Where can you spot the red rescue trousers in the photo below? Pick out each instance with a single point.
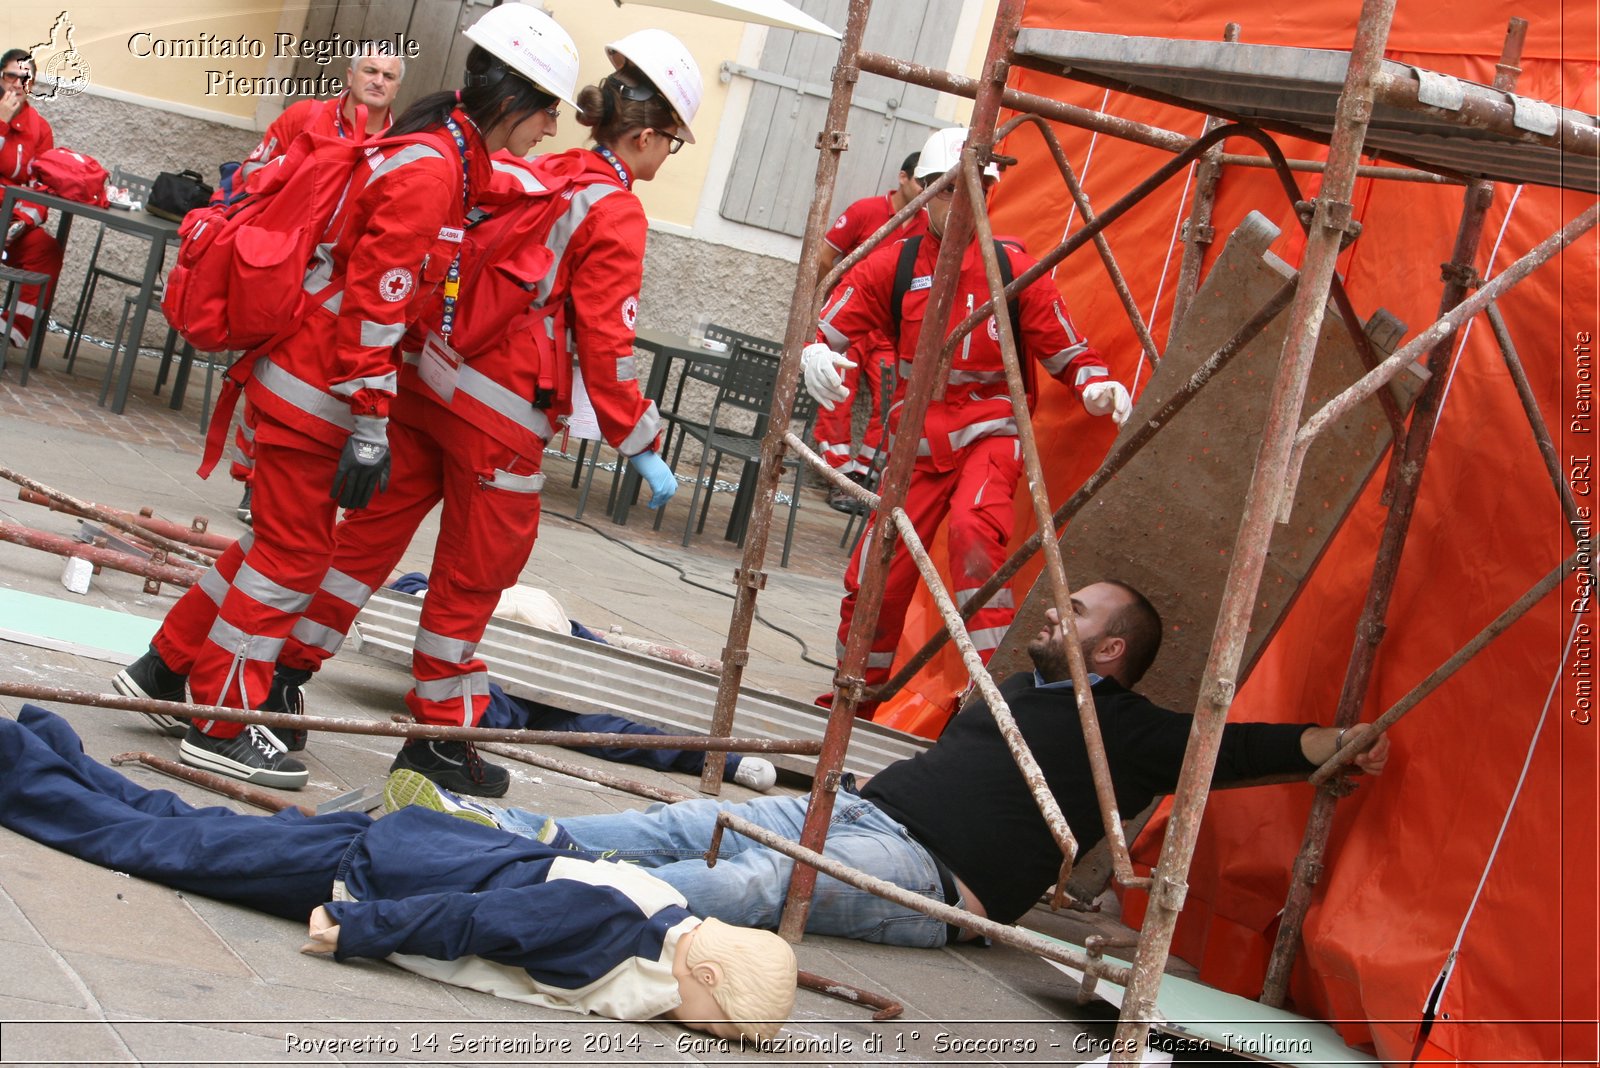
(227, 630)
(977, 495)
(874, 359)
(34, 249)
(486, 531)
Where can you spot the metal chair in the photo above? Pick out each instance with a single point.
(673, 413)
(138, 189)
(747, 386)
(15, 279)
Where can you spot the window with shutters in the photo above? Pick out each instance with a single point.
(770, 183)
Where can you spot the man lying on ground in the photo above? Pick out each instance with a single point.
(957, 823)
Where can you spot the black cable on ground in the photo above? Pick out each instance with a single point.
(683, 576)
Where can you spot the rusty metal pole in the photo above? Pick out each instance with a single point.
(1330, 223)
(1411, 458)
(1197, 230)
(110, 519)
(749, 579)
(61, 545)
(919, 392)
(194, 534)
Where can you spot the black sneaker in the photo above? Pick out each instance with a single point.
(243, 511)
(150, 678)
(285, 697)
(454, 766)
(254, 756)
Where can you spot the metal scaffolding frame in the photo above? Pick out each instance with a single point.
(1329, 227)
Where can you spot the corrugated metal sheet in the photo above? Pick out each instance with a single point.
(1428, 119)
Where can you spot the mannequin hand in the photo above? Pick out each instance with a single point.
(1101, 398)
(324, 933)
(654, 470)
(820, 366)
(364, 465)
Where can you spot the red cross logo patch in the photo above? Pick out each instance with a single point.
(396, 284)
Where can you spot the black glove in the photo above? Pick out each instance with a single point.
(364, 464)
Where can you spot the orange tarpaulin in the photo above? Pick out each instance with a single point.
(1493, 780)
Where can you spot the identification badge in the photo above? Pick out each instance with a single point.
(439, 366)
(452, 234)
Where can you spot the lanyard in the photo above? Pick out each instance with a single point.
(452, 278)
(616, 165)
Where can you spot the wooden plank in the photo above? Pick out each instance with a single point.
(1167, 523)
(435, 26)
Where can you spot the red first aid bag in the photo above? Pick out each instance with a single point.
(71, 175)
(238, 282)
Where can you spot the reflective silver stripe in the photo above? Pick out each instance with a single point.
(321, 270)
(214, 586)
(988, 638)
(237, 642)
(1001, 599)
(382, 165)
(272, 594)
(965, 377)
(29, 212)
(388, 382)
(303, 395)
(560, 235)
(529, 183)
(246, 431)
(505, 480)
(1066, 324)
(644, 432)
(381, 334)
(989, 428)
(836, 450)
(1089, 374)
(338, 584)
(316, 636)
(836, 340)
(493, 395)
(881, 660)
(335, 303)
(456, 687)
(627, 369)
(903, 368)
(441, 647)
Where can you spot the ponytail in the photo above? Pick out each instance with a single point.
(492, 93)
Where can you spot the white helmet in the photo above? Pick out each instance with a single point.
(532, 44)
(669, 66)
(943, 151)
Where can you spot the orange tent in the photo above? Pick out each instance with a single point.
(1467, 874)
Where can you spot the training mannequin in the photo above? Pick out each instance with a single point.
(448, 898)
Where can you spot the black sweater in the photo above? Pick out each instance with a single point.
(965, 800)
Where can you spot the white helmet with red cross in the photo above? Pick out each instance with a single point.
(943, 151)
(532, 44)
(663, 59)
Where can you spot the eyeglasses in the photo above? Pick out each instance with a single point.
(20, 77)
(675, 143)
(554, 111)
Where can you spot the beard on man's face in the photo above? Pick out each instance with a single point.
(1049, 656)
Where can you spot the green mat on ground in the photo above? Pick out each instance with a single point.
(68, 624)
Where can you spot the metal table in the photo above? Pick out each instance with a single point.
(153, 229)
(665, 348)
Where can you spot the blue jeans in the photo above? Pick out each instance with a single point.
(749, 882)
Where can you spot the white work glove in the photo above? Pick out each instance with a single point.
(821, 366)
(1108, 398)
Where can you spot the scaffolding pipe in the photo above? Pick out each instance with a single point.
(194, 534)
(432, 731)
(749, 579)
(927, 372)
(1541, 431)
(665, 794)
(1220, 678)
(885, 1009)
(1061, 590)
(1421, 690)
(61, 545)
(110, 519)
(1139, 133)
(1012, 936)
(1032, 774)
(1198, 233)
(1410, 462)
(1128, 443)
(217, 784)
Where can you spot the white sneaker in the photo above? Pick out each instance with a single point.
(755, 773)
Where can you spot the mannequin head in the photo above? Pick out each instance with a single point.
(735, 981)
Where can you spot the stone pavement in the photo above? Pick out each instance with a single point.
(104, 968)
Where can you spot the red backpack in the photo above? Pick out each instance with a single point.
(237, 283)
(71, 175)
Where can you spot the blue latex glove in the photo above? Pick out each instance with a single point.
(654, 470)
